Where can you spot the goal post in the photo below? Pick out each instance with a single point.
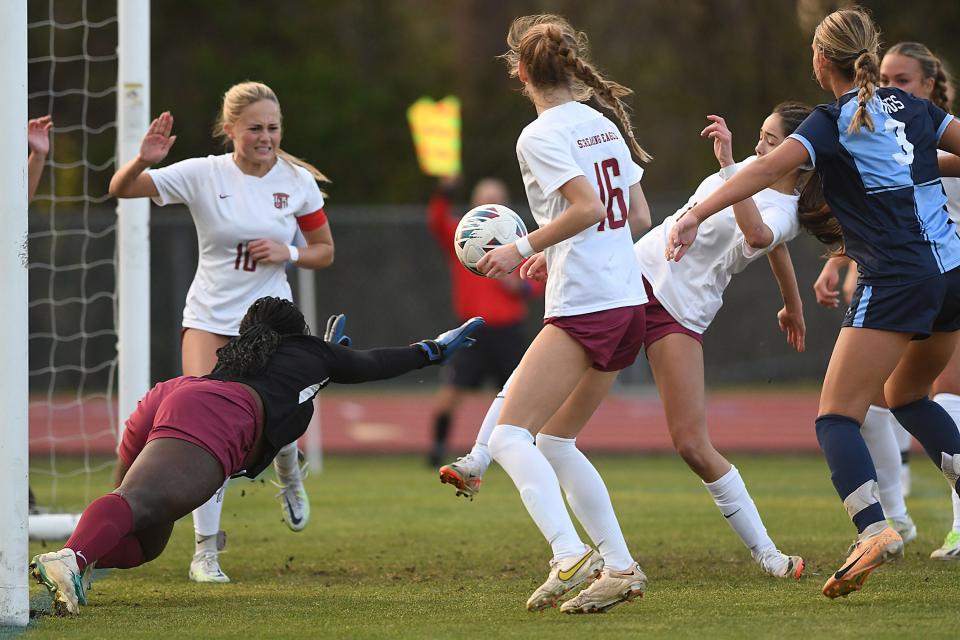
(133, 223)
(14, 595)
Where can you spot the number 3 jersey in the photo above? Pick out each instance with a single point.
(884, 185)
(595, 269)
(229, 209)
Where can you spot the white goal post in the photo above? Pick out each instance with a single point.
(14, 596)
(133, 224)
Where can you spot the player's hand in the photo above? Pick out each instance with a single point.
(825, 287)
(268, 251)
(500, 261)
(722, 139)
(682, 235)
(791, 323)
(38, 135)
(157, 141)
(335, 332)
(535, 268)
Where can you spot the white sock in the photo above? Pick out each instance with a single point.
(513, 449)
(206, 517)
(287, 464)
(481, 450)
(588, 497)
(878, 432)
(905, 442)
(732, 498)
(951, 404)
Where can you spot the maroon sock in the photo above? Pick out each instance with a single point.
(126, 555)
(104, 523)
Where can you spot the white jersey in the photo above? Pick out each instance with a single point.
(692, 290)
(229, 209)
(951, 187)
(594, 270)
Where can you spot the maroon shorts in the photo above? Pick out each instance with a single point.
(612, 337)
(222, 417)
(660, 323)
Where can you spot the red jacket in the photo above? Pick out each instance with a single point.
(500, 302)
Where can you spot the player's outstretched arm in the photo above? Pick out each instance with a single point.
(38, 140)
(790, 317)
(747, 182)
(352, 366)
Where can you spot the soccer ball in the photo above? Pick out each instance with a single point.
(484, 228)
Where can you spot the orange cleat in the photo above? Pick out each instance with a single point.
(866, 554)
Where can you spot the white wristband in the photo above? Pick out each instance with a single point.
(524, 247)
(727, 172)
(294, 253)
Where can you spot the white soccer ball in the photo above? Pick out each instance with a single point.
(485, 228)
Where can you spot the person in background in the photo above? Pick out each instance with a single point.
(502, 303)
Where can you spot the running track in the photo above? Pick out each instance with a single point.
(398, 422)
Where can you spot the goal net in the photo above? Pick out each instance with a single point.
(73, 359)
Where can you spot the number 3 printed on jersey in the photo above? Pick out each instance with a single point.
(606, 171)
(906, 157)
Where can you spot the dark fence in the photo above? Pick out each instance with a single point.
(393, 283)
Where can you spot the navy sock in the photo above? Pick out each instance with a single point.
(933, 427)
(851, 466)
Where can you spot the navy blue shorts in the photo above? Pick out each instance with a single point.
(494, 357)
(920, 308)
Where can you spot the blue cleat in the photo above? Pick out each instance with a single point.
(440, 349)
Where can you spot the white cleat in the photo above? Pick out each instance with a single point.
(205, 567)
(609, 590)
(905, 527)
(565, 574)
(465, 474)
(780, 565)
(950, 549)
(59, 573)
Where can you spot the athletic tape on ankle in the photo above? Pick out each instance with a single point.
(862, 497)
(950, 465)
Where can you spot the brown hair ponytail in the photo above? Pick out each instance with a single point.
(554, 54)
(813, 212)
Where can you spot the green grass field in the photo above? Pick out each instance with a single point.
(390, 553)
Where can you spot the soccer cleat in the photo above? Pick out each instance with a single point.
(609, 590)
(465, 474)
(950, 549)
(59, 573)
(205, 567)
(294, 502)
(905, 527)
(565, 574)
(86, 578)
(780, 565)
(440, 349)
(866, 554)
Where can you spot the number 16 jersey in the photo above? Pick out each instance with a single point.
(595, 269)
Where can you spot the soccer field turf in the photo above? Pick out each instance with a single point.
(390, 553)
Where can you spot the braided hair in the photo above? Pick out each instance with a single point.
(932, 67)
(267, 321)
(555, 55)
(850, 40)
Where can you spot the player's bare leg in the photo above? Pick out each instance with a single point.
(676, 361)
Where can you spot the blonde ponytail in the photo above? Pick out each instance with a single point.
(239, 97)
(850, 40)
